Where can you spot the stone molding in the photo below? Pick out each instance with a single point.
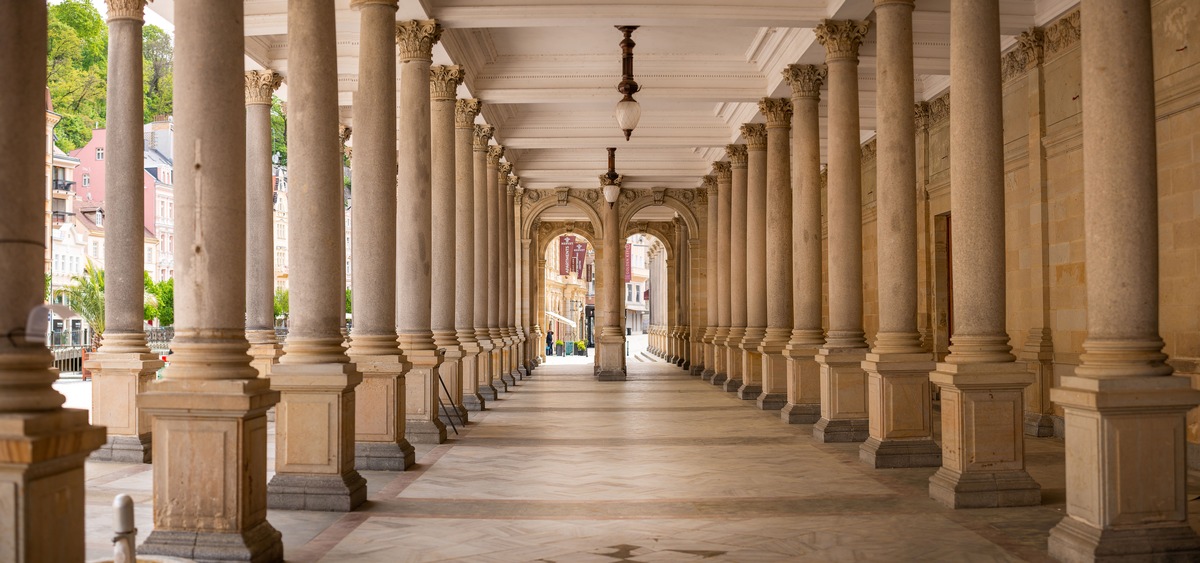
(1062, 34)
(444, 81)
(505, 169)
(868, 151)
(465, 110)
(841, 38)
(778, 111)
(480, 137)
(126, 10)
(495, 153)
(756, 136)
(358, 4)
(1026, 55)
(415, 39)
(724, 170)
(709, 183)
(260, 84)
(805, 80)
(938, 110)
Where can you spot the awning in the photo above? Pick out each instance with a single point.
(569, 322)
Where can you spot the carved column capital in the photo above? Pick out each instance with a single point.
(737, 156)
(514, 183)
(495, 153)
(505, 169)
(465, 110)
(415, 39)
(260, 84)
(359, 4)
(778, 111)
(921, 114)
(343, 133)
(841, 38)
(724, 170)
(126, 10)
(756, 136)
(709, 183)
(480, 137)
(805, 80)
(444, 81)
(1028, 53)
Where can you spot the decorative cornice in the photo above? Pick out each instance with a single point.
(1025, 55)
(465, 110)
(260, 84)
(724, 170)
(495, 153)
(778, 111)
(444, 81)
(939, 109)
(841, 38)
(126, 10)
(756, 136)
(481, 136)
(736, 155)
(415, 39)
(1063, 33)
(358, 4)
(805, 80)
(343, 133)
(709, 183)
(505, 169)
(921, 114)
(868, 150)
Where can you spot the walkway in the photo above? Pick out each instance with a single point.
(663, 467)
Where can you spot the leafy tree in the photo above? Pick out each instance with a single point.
(85, 296)
(281, 302)
(77, 70)
(166, 301)
(149, 298)
(278, 130)
(348, 300)
(158, 74)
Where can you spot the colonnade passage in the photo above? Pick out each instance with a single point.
(972, 335)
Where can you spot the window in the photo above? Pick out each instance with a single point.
(99, 153)
(637, 293)
(87, 180)
(95, 249)
(629, 292)
(149, 254)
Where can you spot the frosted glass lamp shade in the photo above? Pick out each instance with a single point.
(610, 193)
(628, 112)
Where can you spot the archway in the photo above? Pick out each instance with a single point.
(567, 266)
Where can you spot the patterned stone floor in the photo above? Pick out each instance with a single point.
(662, 467)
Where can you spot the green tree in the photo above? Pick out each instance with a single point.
(158, 74)
(77, 70)
(348, 301)
(150, 298)
(166, 301)
(281, 302)
(85, 296)
(278, 130)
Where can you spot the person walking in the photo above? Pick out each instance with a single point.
(549, 342)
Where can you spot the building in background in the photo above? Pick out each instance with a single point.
(637, 276)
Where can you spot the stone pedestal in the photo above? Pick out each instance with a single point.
(751, 386)
(472, 398)
(611, 357)
(265, 350)
(803, 383)
(451, 373)
(733, 359)
(774, 394)
(983, 449)
(843, 396)
(721, 353)
(117, 380)
(423, 424)
(901, 426)
(484, 371)
(379, 421)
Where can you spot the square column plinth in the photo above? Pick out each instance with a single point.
(610, 356)
(210, 473)
(901, 421)
(1126, 470)
(41, 483)
(733, 360)
(496, 367)
(710, 360)
(473, 399)
(314, 438)
(843, 396)
(774, 371)
(803, 385)
(379, 420)
(117, 380)
(983, 446)
(751, 386)
(721, 358)
(451, 372)
(483, 370)
(422, 390)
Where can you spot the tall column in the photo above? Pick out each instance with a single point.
(610, 357)
(466, 249)
(843, 382)
(1125, 414)
(314, 422)
(483, 256)
(539, 292)
(514, 226)
(44, 495)
(379, 420)
(443, 85)
(737, 267)
(414, 233)
(260, 231)
(901, 422)
(755, 247)
(983, 450)
(803, 371)
(209, 410)
(503, 287)
(509, 272)
(709, 185)
(724, 173)
(496, 335)
(777, 244)
(123, 366)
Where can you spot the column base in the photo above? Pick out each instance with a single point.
(487, 392)
(707, 374)
(719, 379)
(749, 392)
(262, 543)
(610, 375)
(1072, 541)
(771, 401)
(384, 456)
(474, 402)
(453, 415)
(125, 449)
(841, 430)
(984, 489)
(1039, 425)
(425, 431)
(731, 385)
(695, 370)
(327, 493)
(800, 413)
(890, 454)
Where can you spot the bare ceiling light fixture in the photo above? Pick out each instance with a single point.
(628, 111)
(610, 181)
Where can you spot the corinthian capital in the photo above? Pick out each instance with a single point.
(778, 111)
(260, 84)
(505, 169)
(495, 153)
(444, 81)
(360, 4)
(709, 183)
(514, 182)
(724, 170)
(481, 136)
(737, 155)
(126, 10)
(756, 136)
(841, 38)
(415, 39)
(465, 110)
(805, 80)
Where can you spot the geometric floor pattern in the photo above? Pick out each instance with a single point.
(662, 467)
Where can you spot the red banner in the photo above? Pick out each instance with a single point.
(628, 262)
(578, 256)
(565, 244)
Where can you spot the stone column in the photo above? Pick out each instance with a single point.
(492, 282)
(983, 450)
(508, 261)
(414, 234)
(123, 366)
(379, 420)
(778, 247)
(514, 225)
(43, 507)
(260, 227)
(843, 382)
(314, 422)
(483, 256)
(443, 85)
(803, 371)
(901, 422)
(1125, 415)
(539, 292)
(709, 185)
(724, 173)
(610, 357)
(466, 251)
(755, 246)
(737, 267)
(209, 410)
(670, 343)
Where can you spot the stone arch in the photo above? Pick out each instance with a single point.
(657, 229)
(673, 199)
(546, 201)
